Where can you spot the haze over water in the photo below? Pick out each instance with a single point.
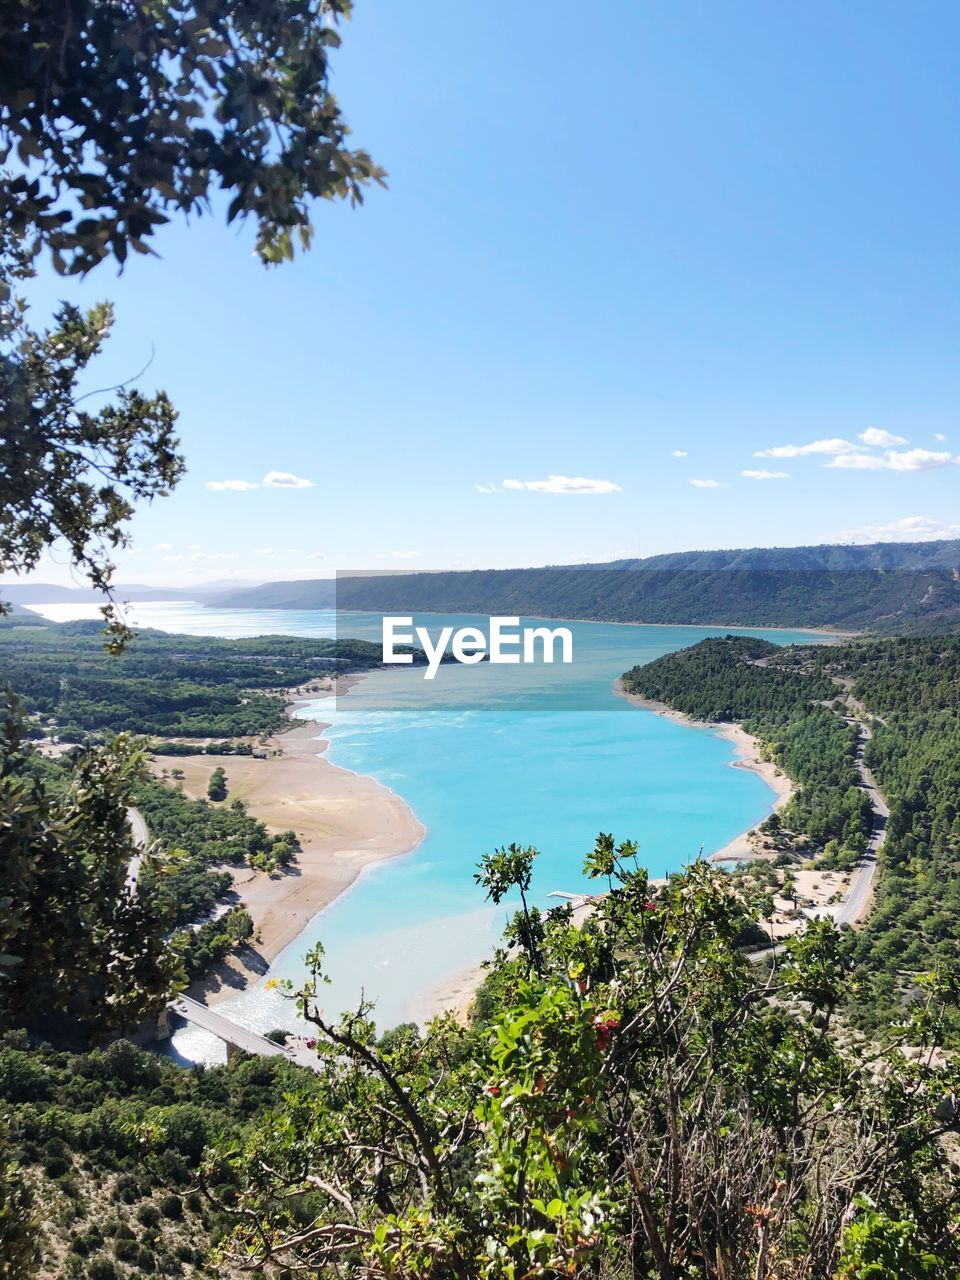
(485, 755)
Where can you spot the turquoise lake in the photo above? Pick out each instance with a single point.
(485, 755)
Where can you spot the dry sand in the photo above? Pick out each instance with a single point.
(453, 995)
(344, 822)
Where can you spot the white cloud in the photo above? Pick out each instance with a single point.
(168, 558)
(766, 475)
(398, 555)
(876, 437)
(908, 529)
(163, 546)
(938, 435)
(894, 460)
(272, 480)
(316, 555)
(488, 488)
(285, 480)
(835, 445)
(263, 551)
(709, 484)
(220, 555)
(131, 551)
(678, 453)
(564, 484)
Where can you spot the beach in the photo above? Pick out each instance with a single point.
(344, 822)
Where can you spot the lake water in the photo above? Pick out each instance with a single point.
(485, 755)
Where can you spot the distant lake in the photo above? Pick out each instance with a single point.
(546, 756)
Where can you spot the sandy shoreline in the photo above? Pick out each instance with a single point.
(748, 757)
(347, 821)
(344, 822)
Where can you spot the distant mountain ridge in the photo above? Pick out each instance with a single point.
(942, 554)
(27, 593)
(882, 586)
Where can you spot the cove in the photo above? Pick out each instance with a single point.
(545, 756)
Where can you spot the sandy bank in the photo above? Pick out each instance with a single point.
(748, 757)
(344, 822)
(453, 995)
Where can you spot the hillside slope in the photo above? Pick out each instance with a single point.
(885, 587)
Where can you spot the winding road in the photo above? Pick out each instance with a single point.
(856, 901)
(141, 835)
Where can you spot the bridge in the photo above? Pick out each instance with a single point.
(237, 1039)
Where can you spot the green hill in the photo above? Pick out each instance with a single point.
(883, 587)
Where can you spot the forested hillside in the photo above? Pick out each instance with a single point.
(107, 1146)
(164, 685)
(762, 687)
(914, 688)
(909, 692)
(884, 587)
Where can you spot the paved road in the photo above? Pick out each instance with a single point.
(142, 836)
(857, 898)
(240, 1037)
(856, 901)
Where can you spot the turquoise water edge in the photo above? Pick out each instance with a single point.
(547, 756)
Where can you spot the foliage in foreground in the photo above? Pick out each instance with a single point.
(70, 473)
(114, 118)
(125, 114)
(75, 942)
(634, 1099)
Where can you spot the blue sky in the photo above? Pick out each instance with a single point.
(611, 236)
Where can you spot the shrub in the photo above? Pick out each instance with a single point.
(171, 1206)
(127, 1189)
(217, 786)
(148, 1214)
(22, 1079)
(145, 1259)
(185, 1125)
(102, 1269)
